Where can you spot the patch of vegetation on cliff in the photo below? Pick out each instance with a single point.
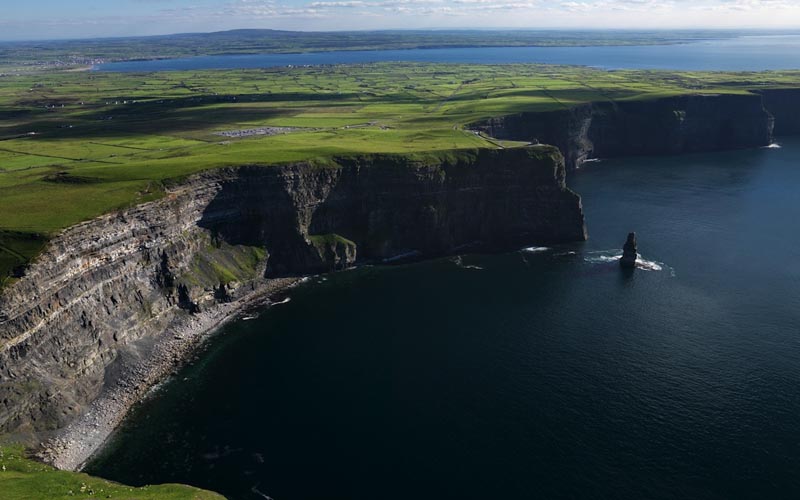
(25, 479)
(335, 250)
(329, 240)
(74, 145)
(224, 263)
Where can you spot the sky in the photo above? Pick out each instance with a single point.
(55, 19)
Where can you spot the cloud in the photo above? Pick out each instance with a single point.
(170, 16)
(347, 5)
(608, 9)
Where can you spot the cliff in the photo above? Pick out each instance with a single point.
(673, 125)
(104, 289)
(784, 104)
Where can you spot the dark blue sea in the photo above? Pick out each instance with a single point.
(540, 373)
(746, 53)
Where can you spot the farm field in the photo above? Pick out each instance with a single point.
(74, 145)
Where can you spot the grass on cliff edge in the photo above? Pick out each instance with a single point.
(74, 145)
(24, 479)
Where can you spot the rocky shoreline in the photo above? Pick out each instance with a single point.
(75, 445)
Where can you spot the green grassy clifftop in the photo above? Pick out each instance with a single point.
(74, 145)
(25, 479)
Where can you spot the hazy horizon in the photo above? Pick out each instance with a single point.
(776, 31)
(84, 19)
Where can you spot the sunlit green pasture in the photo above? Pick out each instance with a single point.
(74, 145)
(24, 479)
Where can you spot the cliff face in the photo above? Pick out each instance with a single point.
(784, 104)
(567, 129)
(383, 206)
(109, 283)
(682, 124)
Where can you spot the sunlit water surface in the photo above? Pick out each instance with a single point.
(748, 53)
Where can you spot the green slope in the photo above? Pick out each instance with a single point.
(24, 479)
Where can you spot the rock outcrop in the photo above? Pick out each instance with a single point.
(680, 124)
(108, 286)
(630, 253)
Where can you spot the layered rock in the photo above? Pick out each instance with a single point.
(106, 285)
(673, 125)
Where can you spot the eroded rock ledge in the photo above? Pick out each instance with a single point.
(105, 290)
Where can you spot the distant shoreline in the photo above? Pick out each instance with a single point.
(43, 54)
(685, 54)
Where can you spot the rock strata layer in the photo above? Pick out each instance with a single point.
(104, 292)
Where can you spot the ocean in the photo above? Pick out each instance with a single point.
(546, 372)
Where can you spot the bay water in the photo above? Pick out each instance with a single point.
(745, 53)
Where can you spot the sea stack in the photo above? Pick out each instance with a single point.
(629, 253)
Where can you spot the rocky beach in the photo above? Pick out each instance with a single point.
(74, 445)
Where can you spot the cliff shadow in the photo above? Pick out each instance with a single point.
(254, 207)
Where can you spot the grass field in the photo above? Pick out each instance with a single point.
(74, 145)
(24, 479)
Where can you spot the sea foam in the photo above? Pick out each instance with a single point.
(459, 261)
(535, 249)
(613, 256)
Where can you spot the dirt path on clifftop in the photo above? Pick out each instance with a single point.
(78, 442)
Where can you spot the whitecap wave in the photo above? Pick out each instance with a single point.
(648, 265)
(459, 261)
(535, 249)
(284, 301)
(774, 145)
(613, 256)
(566, 254)
(602, 257)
